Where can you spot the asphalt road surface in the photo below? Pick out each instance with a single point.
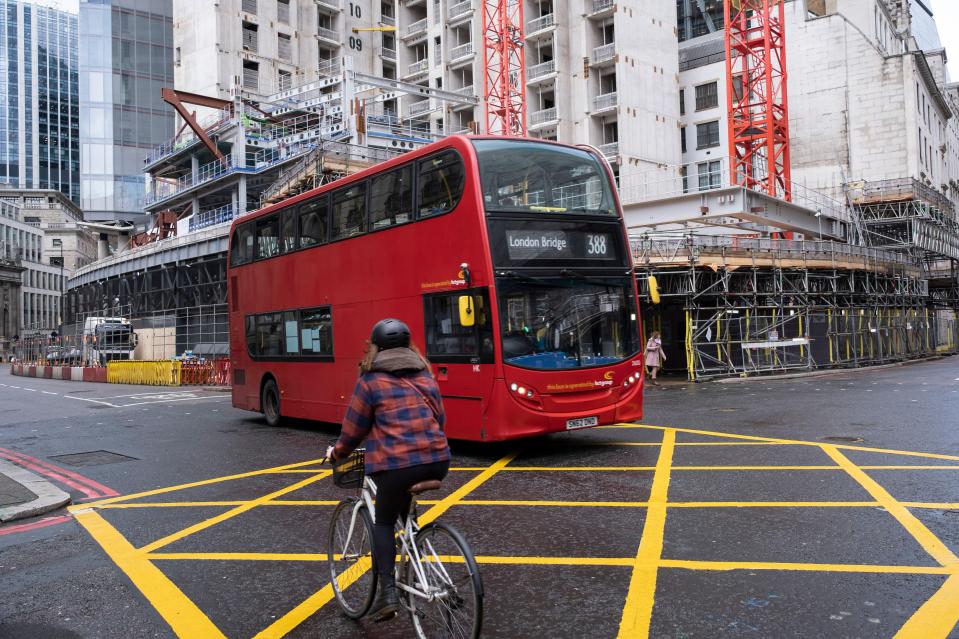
(815, 507)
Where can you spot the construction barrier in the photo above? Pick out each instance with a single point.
(215, 373)
(152, 373)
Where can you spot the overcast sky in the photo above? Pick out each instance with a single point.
(946, 13)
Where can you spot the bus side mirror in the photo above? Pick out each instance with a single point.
(467, 316)
(653, 289)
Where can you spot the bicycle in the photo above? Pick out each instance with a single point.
(437, 578)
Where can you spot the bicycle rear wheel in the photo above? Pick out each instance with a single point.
(455, 607)
(350, 558)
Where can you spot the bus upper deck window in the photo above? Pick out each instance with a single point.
(349, 211)
(391, 198)
(440, 184)
(268, 237)
(314, 222)
(241, 247)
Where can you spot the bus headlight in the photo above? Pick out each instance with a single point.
(522, 391)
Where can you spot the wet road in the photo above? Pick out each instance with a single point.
(789, 508)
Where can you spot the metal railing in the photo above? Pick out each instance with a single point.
(418, 108)
(542, 117)
(332, 5)
(604, 53)
(389, 54)
(327, 34)
(460, 8)
(284, 47)
(602, 5)
(462, 51)
(205, 219)
(540, 23)
(416, 27)
(328, 67)
(610, 149)
(604, 102)
(467, 90)
(420, 66)
(671, 181)
(540, 70)
(248, 6)
(389, 21)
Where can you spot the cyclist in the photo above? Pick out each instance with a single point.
(396, 407)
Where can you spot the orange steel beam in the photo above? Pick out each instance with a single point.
(178, 100)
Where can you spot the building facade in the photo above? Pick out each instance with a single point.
(33, 304)
(126, 58)
(39, 92)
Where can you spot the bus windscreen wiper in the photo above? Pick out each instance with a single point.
(520, 276)
(566, 272)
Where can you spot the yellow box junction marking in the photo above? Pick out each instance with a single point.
(935, 618)
(638, 610)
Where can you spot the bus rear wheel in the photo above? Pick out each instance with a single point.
(270, 402)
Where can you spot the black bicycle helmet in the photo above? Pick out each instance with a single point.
(390, 333)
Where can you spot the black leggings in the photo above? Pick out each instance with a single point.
(392, 502)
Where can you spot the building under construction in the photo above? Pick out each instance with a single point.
(812, 227)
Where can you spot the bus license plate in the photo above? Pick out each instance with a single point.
(582, 422)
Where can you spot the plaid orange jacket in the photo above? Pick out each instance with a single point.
(399, 426)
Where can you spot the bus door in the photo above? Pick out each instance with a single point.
(459, 344)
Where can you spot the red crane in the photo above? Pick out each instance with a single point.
(504, 67)
(756, 95)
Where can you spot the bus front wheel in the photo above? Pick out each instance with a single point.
(270, 402)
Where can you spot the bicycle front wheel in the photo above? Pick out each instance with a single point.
(448, 574)
(350, 558)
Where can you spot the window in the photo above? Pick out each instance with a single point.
(440, 183)
(737, 88)
(707, 96)
(283, 46)
(241, 248)
(449, 341)
(283, 11)
(391, 198)
(682, 138)
(288, 230)
(349, 211)
(316, 332)
(707, 135)
(249, 6)
(291, 343)
(268, 338)
(284, 80)
(267, 237)
(313, 222)
(682, 102)
(710, 175)
(56, 261)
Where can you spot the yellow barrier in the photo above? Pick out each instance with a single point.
(153, 373)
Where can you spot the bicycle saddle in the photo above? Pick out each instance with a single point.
(423, 486)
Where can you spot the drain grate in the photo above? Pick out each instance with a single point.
(842, 438)
(93, 458)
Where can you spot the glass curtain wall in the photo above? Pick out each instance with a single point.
(126, 58)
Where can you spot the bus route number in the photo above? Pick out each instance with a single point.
(596, 244)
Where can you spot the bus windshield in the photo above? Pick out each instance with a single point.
(533, 177)
(562, 323)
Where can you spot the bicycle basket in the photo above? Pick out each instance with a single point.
(349, 472)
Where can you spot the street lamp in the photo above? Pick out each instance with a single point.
(58, 242)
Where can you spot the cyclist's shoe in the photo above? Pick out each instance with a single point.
(386, 604)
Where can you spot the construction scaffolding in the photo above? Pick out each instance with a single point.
(739, 306)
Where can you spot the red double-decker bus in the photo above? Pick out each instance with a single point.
(508, 258)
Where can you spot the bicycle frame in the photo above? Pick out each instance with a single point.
(408, 551)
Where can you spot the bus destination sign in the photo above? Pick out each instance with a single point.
(531, 244)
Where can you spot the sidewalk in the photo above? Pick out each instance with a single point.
(24, 494)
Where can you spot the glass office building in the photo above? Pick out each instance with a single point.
(39, 98)
(126, 57)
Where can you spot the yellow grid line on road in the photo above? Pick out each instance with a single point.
(233, 512)
(557, 503)
(935, 618)
(777, 440)
(314, 602)
(640, 598)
